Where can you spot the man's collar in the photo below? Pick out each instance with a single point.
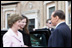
(59, 24)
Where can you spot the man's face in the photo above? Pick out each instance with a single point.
(49, 24)
(53, 20)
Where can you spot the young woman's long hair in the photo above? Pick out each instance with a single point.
(26, 26)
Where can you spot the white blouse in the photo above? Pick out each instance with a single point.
(10, 39)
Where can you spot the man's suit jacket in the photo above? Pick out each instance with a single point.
(61, 36)
(11, 40)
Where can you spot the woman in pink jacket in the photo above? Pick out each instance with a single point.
(13, 38)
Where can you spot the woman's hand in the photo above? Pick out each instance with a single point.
(25, 46)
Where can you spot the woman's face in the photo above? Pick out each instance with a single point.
(23, 23)
(16, 25)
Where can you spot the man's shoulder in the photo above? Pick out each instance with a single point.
(62, 25)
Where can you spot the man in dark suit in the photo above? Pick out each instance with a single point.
(61, 36)
(49, 25)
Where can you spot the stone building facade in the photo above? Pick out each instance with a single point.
(36, 11)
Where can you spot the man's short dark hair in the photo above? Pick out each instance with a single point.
(60, 14)
(47, 20)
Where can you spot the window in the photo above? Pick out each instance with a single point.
(69, 19)
(7, 15)
(68, 15)
(7, 20)
(31, 24)
(33, 20)
(51, 9)
(6, 12)
(69, 2)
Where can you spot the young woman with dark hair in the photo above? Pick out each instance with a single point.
(24, 30)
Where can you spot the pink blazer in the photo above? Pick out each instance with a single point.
(10, 39)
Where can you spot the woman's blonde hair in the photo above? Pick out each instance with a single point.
(13, 18)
